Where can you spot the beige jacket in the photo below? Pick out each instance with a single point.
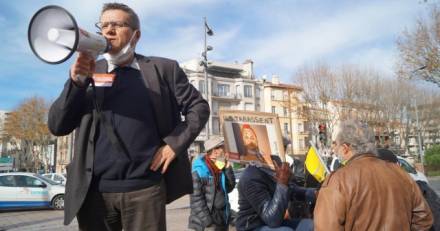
(371, 194)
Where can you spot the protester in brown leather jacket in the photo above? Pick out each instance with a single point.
(368, 193)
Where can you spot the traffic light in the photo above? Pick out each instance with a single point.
(322, 134)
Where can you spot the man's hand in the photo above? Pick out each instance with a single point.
(283, 173)
(84, 66)
(163, 156)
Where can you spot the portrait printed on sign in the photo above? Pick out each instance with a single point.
(251, 136)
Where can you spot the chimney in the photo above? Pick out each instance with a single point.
(275, 79)
(248, 65)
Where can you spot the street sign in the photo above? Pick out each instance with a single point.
(6, 163)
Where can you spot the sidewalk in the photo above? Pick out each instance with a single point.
(52, 220)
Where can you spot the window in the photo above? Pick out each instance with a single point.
(406, 166)
(237, 91)
(27, 181)
(215, 126)
(276, 94)
(57, 178)
(202, 86)
(300, 127)
(301, 144)
(273, 109)
(223, 90)
(7, 181)
(247, 91)
(214, 108)
(397, 139)
(285, 111)
(286, 128)
(285, 95)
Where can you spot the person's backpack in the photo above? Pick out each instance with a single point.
(433, 201)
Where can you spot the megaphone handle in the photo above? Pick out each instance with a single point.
(84, 79)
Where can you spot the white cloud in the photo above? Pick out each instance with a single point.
(350, 30)
(278, 36)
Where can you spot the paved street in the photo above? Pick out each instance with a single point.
(177, 219)
(49, 220)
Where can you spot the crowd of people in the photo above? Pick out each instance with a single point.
(131, 156)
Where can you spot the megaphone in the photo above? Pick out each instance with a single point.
(54, 36)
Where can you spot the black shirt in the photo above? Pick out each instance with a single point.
(128, 108)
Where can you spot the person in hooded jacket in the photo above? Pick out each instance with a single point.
(213, 179)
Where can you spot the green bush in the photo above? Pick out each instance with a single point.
(432, 157)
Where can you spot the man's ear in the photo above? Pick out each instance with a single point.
(137, 36)
(346, 148)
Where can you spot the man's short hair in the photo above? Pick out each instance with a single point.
(134, 19)
(356, 134)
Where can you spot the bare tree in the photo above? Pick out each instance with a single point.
(384, 103)
(27, 128)
(419, 49)
(318, 82)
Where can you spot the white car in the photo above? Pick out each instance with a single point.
(57, 177)
(233, 196)
(20, 190)
(416, 175)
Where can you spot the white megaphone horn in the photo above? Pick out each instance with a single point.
(54, 36)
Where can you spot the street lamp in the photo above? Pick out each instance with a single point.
(208, 31)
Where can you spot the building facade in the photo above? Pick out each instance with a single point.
(231, 86)
(285, 101)
(65, 148)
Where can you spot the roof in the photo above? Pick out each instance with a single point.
(19, 173)
(283, 85)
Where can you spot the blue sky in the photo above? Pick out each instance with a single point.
(279, 36)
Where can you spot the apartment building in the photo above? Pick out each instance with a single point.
(231, 86)
(285, 101)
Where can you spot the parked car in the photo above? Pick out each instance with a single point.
(416, 175)
(29, 190)
(57, 177)
(233, 196)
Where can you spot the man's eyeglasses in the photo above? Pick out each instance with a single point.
(107, 25)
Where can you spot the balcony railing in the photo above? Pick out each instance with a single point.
(227, 96)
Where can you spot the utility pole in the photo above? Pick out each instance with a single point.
(291, 119)
(418, 134)
(207, 48)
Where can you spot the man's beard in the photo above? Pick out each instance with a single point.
(251, 145)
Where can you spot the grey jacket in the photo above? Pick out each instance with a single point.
(171, 95)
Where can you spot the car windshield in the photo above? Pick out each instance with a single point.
(47, 180)
(405, 165)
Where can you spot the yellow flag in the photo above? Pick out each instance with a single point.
(315, 166)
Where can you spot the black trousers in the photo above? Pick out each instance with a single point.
(137, 210)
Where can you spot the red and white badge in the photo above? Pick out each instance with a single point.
(104, 79)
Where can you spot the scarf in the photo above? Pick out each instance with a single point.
(215, 172)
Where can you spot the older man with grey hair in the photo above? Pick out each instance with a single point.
(368, 193)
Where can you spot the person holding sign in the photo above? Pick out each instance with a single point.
(264, 196)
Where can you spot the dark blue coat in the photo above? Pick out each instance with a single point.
(262, 201)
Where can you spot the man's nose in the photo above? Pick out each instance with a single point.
(110, 31)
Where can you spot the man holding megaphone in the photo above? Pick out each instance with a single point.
(130, 145)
